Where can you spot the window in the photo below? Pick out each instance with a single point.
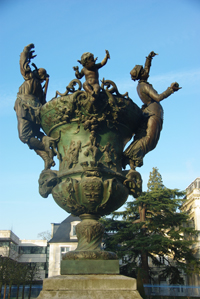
(4, 244)
(32, 249)
(191, 223)
(162, 259)
(63, 250)
(125, 259)
(40, 266)
(13, 246)
(74, 230)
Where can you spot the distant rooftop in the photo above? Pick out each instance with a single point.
(194, 185)
(62, 231)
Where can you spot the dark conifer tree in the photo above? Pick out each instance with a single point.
(149, 234)
(155, 180)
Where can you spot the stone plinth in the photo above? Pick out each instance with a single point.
(89, 267)
(89, 287)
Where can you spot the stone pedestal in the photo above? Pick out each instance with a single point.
(89, 287)
(78, 267)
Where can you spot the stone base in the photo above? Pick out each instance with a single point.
(89, 287)
(77, 267)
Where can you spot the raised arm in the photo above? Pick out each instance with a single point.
(25, 59)
(152, 93)
(78, 74)
(104, 61)
(148, 62)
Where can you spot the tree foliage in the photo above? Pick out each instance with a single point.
(13, 272)
(155, 180)
(149, 234)
(46, 235)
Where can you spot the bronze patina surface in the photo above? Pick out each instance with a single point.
(88, 130)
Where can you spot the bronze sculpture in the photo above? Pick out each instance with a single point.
(148, 133)
(90, 71)
(88, 131)
(30, 98)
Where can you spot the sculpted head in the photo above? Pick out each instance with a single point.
(136, 72)
(139, 73)
(87, 58)
(41, 74)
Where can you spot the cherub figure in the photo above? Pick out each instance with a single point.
(30, 98)
(147, 136)
(90, 71)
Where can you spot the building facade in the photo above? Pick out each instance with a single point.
(41, 253)
(192, 207)
(63, 239)
(32, 252)
(9, 243)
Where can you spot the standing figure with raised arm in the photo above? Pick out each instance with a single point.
(147, 136)
(90, 71)
(30, 98)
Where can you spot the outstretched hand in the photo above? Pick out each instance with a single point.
(175, 86)
(107, 54)
(31, 53)
(152, 54)
(31, 46)
(75, 68)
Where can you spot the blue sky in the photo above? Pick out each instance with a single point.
(62, 31)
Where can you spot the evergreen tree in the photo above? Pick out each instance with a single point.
(151, 234)
(155, 180)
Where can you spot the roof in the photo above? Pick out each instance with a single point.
(62, 234)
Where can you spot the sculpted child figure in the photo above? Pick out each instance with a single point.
(148, 133)
(90, 71)
(30, 98)
(146, 139)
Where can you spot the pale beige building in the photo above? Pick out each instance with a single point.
(64, 239)
(46, 255)
(33, 252)
(192, 206)
(9, 243)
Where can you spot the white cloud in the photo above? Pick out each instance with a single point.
(190, 76)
